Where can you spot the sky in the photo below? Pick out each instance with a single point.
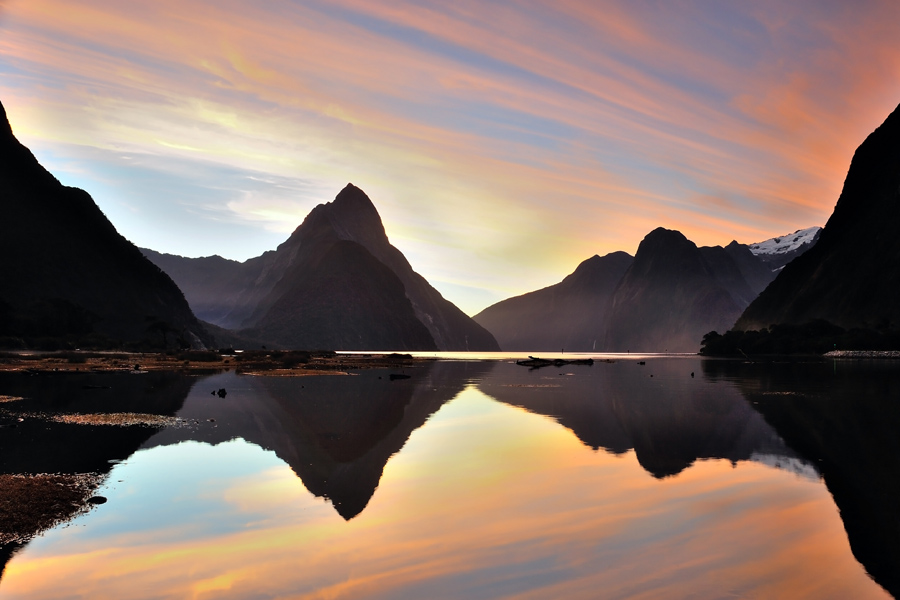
(502, 142)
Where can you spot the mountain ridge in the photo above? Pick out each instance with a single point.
(850, 277)
(659, 300)
(265, 297)
(584, 293)
(75, 279)
(670, 295)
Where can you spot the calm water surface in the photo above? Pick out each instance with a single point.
(471, 480)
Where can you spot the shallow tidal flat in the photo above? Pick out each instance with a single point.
(676, 478)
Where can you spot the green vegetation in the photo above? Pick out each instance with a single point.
(814, 337)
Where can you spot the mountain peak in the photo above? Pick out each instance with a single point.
(336, 282)
(672, 294)
(352, 195)
(5, 127)
(784, 244)
(662, 236)
(351, 216)
(665, 245)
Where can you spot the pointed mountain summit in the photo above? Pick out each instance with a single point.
(672, 294)
(570, 314)
(851, 276)
(68, 276)
(336, 282)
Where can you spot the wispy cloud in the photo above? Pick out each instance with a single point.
(485, 132)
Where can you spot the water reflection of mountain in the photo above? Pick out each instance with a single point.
(844, 416)
(35, 445)
(670, 419)
(336, 432)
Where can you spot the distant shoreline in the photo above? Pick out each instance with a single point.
(274, 363)
(300, 363)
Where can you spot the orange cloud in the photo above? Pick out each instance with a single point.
(482, 126)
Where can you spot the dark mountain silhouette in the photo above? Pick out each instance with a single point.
(674, 292)
(570, 314)
(336, 433)
(654, 302)
(212, 285)
(341, 298)
(67, 273)
(336, 283)
(670, 420)
(757, 272)
(846, 424)
(851, 276)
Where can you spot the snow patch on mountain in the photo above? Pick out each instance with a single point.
(785, 243)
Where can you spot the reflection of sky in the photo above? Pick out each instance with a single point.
(485, 132)
(484, 501)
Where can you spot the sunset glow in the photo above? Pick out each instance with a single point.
(502, 143)
(463, 509)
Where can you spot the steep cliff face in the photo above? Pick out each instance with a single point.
(67, 273)
(336, 282)
(756, 270)
(672, 294)
(571, 314)
(851, 276)
(341, 298)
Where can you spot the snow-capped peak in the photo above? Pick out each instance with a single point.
(785, 243)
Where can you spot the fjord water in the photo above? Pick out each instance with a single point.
(677, 478)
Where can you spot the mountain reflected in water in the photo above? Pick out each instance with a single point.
(667, 416)
(844, 417)
(337, 433)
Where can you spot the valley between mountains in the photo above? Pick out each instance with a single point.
(338, 283)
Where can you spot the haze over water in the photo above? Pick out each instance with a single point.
(470, 480)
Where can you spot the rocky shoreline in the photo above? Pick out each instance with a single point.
(267, 363)
(863, 354)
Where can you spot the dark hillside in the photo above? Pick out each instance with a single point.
(68, 276)
(851, 277)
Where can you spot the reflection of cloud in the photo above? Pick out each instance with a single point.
(484, 498)
(577, 126)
